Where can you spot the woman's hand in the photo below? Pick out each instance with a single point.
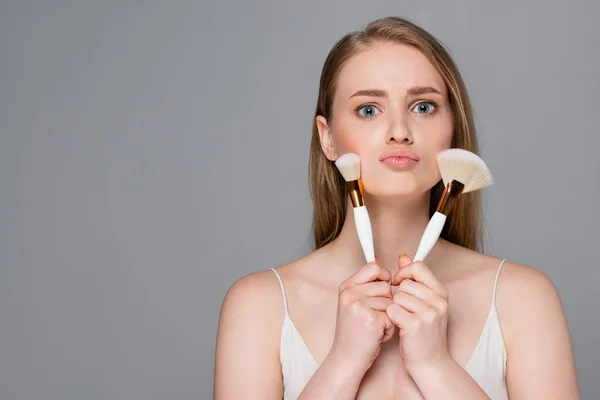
(362, 324)
(420, 310)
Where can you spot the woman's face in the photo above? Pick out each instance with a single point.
(390, 99)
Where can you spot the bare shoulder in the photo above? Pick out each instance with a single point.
(247, 350)
(524, 288)
(515, 281)
(520, 291)
(525, 283)
(526, 296)
(519, 286)
(470, 269)
(257, 296)
(536, 335)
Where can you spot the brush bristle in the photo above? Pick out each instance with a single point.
(466, 167)
(349, 166)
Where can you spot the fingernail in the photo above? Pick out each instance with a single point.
(403, 260)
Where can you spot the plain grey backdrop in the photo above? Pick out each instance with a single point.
(153, 152)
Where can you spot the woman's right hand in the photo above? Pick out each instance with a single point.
(362, 324)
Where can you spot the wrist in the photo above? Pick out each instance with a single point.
(445, 379)
(343, 370)
(334, 379)
(431, 369)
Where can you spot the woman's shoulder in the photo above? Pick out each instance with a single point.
(253, 305)
(513, 276)
(261, 291)
(519, 285)
(260, 294)
(526, 298)
(533, 323)
(516, 283)
(520, 281)
(525, 295)
(257, 293)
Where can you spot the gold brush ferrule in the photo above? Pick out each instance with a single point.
(448, 199)
(355, 190)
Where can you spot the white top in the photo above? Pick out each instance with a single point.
(487, 365)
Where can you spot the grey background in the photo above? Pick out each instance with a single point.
(153, 152)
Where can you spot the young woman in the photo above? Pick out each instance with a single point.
(461, 325)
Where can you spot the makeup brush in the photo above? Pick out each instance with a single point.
(462, 172)
(349, 166)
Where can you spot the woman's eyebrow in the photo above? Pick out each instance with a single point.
(371, 92)
(415, 90)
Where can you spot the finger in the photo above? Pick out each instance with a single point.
(378, 303)
(367, 273)
(388, 327)
(377, 288)
(409, 303)
(384, 273)
(403, 261)
(419, 272)
(399, 316)
(423, 293)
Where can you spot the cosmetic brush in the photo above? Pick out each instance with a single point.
(349, 166)
(462, 172)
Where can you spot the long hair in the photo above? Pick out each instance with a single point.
(327, 187)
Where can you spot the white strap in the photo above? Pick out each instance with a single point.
(285, 308)
(496, 283)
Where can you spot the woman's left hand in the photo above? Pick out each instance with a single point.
(420, 310)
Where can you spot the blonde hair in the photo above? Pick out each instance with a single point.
(327, 187)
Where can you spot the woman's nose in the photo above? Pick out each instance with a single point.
(399, 131)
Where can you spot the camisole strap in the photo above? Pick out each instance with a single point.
(496, 283)
(285, 307)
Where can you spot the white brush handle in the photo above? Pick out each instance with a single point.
(430, 236)
(365, 233)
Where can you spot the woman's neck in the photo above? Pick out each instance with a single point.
(397, 225)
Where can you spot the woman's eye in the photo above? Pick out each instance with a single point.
(368, 111)
(425, 107)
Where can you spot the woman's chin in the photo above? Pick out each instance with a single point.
(404, 194)
(407, 188)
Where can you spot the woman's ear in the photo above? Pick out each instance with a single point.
(326, 136)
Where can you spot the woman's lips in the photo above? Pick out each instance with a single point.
(399, 162)
(399, 159)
